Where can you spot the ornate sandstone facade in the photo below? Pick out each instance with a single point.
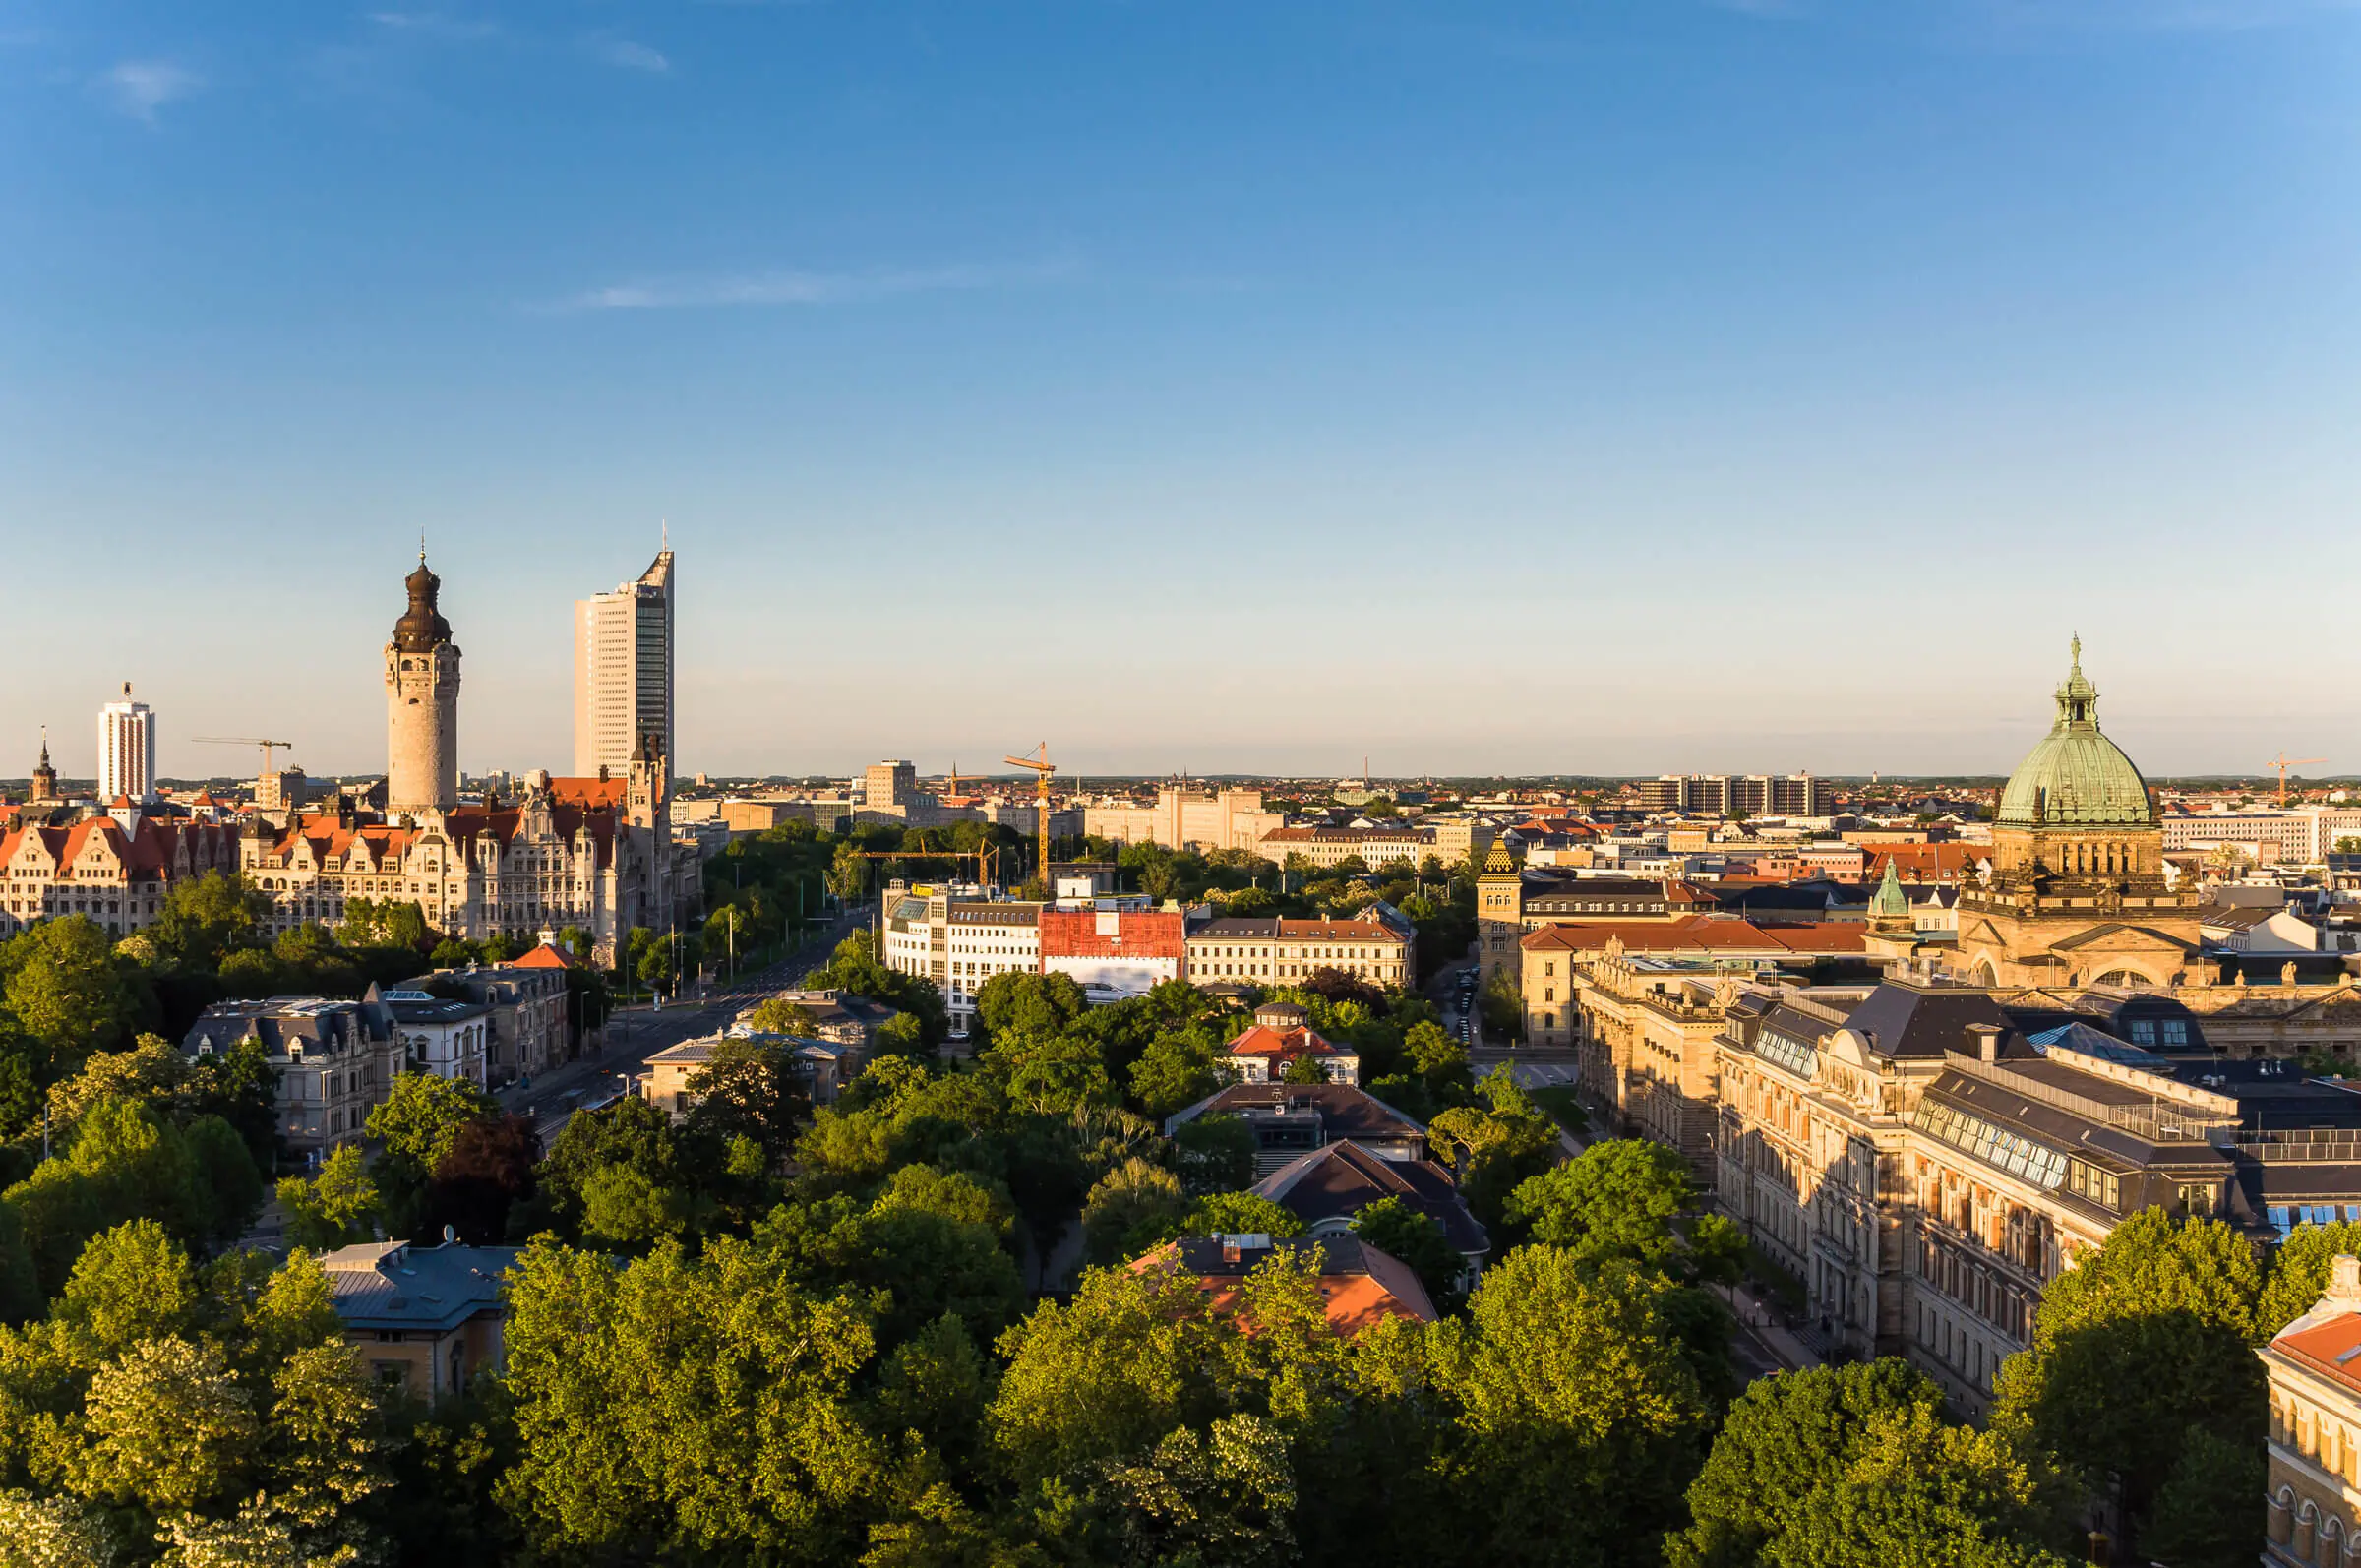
(595, 853)
(422, 706)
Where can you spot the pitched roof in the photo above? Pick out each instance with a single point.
(1262, 1040)
(1360, 1285)
(1901, 1019)
(1342, 1179)
(393, 1285)
(545, 956)
(1345, 1110)
(2331, 1348)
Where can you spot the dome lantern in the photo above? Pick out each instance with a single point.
(2076, 777)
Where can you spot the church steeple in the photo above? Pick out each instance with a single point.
(44, 777)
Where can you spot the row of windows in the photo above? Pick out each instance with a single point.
(2012, 1152)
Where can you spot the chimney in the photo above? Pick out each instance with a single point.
(2344, 1280)
(1987, 1041)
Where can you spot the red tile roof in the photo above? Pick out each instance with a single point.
(591, 793)
(1262, 1040)
(2328, 1350)
(544, 957)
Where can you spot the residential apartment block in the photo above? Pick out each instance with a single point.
(1747, 795)
(1113, 951)
(1275, 952)
(1185, 818)
(127, 768)
(958, 938)
(98, 867)
(333, 1059)
(1326, 847)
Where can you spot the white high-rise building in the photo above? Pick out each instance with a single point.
(623, 671)
(126, 750)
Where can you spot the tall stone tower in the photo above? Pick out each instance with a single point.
(422, 706)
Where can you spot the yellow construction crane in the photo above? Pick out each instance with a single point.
(985, 858)
(1042, 770)
(247, 739)
(2284, 764)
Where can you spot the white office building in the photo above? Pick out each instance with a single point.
(126, 750)
(623, 682)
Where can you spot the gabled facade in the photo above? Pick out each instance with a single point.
(117, 876)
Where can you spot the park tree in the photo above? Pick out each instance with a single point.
(922, 1251)
(207, 916)
(748, 1089)
(1177, 1070)
(1617, 1199)
(1037, 1006)
(1239, 1214)
(1916, 1490)
(717, 1394)
(1215, 1153)
(1495, 1145)
(127, 1162)
(1134, 1206)
(338, 1206)
(1577, 1418)
(63, 989)
(776, 1015)
(160, 1398)
(418, 1121)
(487, 1171)
(2298, 1274)
(2146, 1343)
(1225, 1497)
(1133, 1356)
(1783, 1436)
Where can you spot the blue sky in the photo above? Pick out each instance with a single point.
(1607, 387)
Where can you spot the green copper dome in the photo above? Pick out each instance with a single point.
(2076, 777)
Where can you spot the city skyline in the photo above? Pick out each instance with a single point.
(1726, 748)
(1696, 386)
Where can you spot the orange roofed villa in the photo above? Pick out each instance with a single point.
(1277, 1037)
(1358, 1283)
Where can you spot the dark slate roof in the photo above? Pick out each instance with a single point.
(1901, 1019)
(1340, 1180)
(1345, 1112)
(313, 1022)
(393, 1285)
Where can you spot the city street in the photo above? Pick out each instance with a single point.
(636, 1033)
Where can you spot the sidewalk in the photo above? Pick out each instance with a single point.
(1764, 1327)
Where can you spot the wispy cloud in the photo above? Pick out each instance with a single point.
(437, 26)
(140, 88)
(2157, 16)
(816, 289)
(630, 57)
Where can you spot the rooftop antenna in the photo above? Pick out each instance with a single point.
(666, 526)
